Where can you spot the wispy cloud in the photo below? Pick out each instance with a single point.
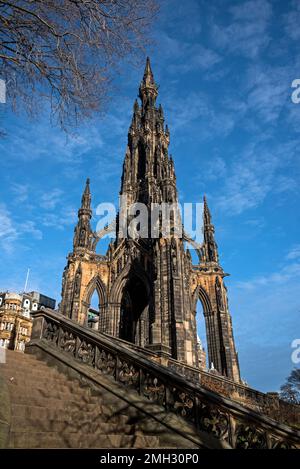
(292, 21)
(197, 109)
(254, 174)
(247, 32)
(283, 275)
(294, 253)
(8, 233)
(12, 231)
(50, 199)
(66, 216)
(21, 191)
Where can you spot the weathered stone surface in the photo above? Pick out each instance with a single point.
(158, 391)
(5, 409)
(57, 407)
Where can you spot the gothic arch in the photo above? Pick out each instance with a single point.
(132, 269)
(95, 284)
(131, 304)
(202, 295)
(212, 334)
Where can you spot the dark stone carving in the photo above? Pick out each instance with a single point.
(51, 332)
(183, 403)
(249, 437)
(77, 284)
(82, 237)
(128, 374)
(106, 363)
(153, 389)
(219, 295)
(67, 342)
(86, 353)
(212, 420)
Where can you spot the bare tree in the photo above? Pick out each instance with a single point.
(290, 391)
(67, 50)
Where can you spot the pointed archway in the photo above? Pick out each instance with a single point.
(94, 304)
(134, 313)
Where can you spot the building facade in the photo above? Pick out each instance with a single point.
(15, 318)
(148, 287)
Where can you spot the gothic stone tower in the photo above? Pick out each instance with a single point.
(147, 286)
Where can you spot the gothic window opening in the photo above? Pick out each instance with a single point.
(141, 163)
(201, 336)
(94, 311)
(134, 314)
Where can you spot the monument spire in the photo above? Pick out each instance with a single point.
(210, 245)
(83, 231)
(148, 90)
(86, 196)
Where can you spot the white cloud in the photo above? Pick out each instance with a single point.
(254, 174)
(50, 199)
(21, 191)
(8, 233)
(65, 217)
(29, 227)
(282, 276)
(196, 108)
(268, 91)
(247, 33)
(215, 168)
(11, 231)
(292, 21)
(185, 56)
(294, 253)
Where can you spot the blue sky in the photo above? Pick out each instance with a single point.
(225, 70)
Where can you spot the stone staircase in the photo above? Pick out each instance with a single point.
(77, 388)
(50, 410)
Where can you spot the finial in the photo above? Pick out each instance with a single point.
(148, 72)
(148, 88)
(136, 106)
(86, 196)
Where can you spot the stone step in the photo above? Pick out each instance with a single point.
(35, 372)
(80, 440)
(57, 391)
(23, 358)
(49, 401)
(51, 410)
(15, 355)
(27, 386)
(67, 423)
(30, 413)
(42, 380)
